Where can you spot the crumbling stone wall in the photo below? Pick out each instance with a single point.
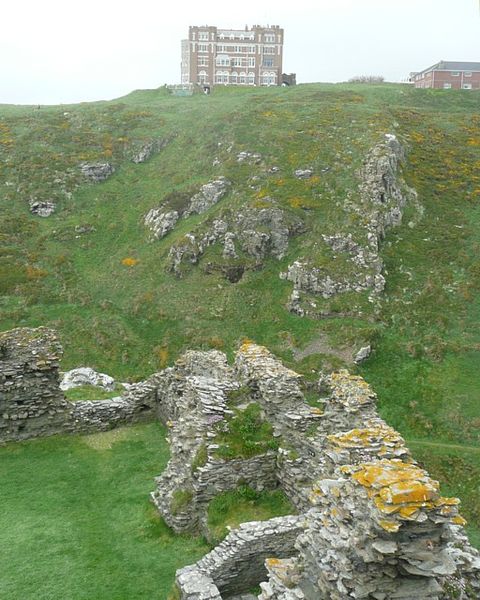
(31, 402)
(238, 563)
(375, 525)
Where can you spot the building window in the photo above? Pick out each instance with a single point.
(202, 77)
(223, 60)
(447, 86)
(455, 73)
(203, 47)
(269, 78)
(270, 37)
(203, 36)
(221, 77)
(251, 61)
(267, 62)
(243, 77)
(269, 50)
(467, 74)
(251, 79)
(467, 86)
(203, 61)
(234, 77)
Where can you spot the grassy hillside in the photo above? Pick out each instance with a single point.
(132, 317)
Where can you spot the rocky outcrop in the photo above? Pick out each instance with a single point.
(86, 376)
(252, 232)
(97, 172)
(42, 208)
(378, 205)
(143, 151)
(163, 219)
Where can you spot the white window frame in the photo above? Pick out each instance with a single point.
(447, 86)
(466, 86)
(203, 36)
(455, 73)
(467, 73)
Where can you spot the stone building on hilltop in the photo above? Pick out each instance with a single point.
(250, 56)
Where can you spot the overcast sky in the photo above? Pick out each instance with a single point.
(60, 51)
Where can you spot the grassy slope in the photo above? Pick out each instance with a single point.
(130, 321)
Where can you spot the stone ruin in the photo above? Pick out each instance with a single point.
(369, 522)
(32, 403)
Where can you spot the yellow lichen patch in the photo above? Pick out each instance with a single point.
(458, 520)
(409, 491)
(447, 501)
(272, 562)
(390, 526)
(402, 489)
(376, 433)
(407, 512)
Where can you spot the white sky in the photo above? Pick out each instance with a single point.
(59, 51)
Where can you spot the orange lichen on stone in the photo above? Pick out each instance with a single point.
(390, 526)
(272, 562)
(350, 390)
(458, 520)
(375, 433)
(402, 490)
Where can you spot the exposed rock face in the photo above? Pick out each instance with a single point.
(86, 376)
(97, 172)
(256, 232)
(362, 354)
(379, 204)
(303, 173)
(42, 208)
(161, 220)
(142, 152)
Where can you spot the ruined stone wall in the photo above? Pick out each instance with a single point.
(238, 563)
(33, 405)
(31, 402)
(375, 524)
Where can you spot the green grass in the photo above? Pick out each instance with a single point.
(244, 504)
(76, 521)
(90, 392)
(246, 434)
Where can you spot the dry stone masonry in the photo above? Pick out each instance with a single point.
(371, 523)
(32, 403)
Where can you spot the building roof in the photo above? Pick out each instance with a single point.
(445, 65)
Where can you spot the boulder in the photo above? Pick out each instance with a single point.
(86, 376)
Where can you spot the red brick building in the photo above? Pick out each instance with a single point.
(449, 75)
(213, 56)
